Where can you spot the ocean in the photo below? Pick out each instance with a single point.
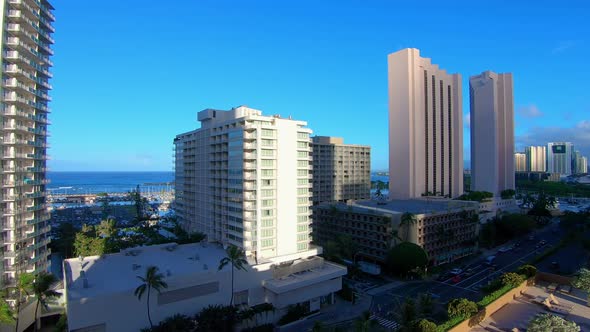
(117, 182)
(110, 182)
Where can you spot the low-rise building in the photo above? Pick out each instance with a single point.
(100, 290)
(445, 228)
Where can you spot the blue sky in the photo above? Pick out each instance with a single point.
(130, 75)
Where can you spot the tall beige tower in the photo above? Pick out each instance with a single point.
(26, 48)
(536, 158)
(492, 132)
(425, 128)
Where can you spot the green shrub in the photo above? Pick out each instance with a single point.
(494, 295)
(527, 270)
(450, 323)
(424, 325)
(511, 279)
(461, 308)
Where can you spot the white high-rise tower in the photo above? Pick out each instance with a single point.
(492, 132)
(425, 128)
(245, 179)
(26, 48)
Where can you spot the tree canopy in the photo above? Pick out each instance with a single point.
(548, 322)
(406, 257)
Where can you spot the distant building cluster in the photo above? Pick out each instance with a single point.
(558, 158)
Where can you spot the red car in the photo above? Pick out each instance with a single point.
(456, 279)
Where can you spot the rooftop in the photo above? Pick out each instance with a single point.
(521, 310)
(415, 206)
(123, 267)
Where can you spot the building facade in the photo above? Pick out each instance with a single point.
(560, 157)
(26, 51)
(536, 158)
(492, 132)
(520, 162)
(425, 128)
(580, 163)
(340, 171)
(245, 179)
(446, 229)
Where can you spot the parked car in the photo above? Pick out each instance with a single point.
(456, 271)
(456, 279)
(504, 249)
(468, 273)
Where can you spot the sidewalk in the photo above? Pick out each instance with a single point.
(338, 312)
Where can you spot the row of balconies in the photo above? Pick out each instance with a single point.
(45, 11)
(26, 182)
(15, 69)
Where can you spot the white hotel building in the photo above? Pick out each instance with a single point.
(425, 128)
(243, 179)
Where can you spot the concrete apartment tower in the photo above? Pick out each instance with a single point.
(341, 171)
(560, 157)
(245, 179)
(520, 162)
(425, 128)
(580, 163)
(492, 132)
(536, 158)
(26, 49)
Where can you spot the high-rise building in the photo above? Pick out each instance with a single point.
(580, 163)
(340, 171)
(425, 128)
(245, 179)
(26, 49)
(520, 162)
(492, 132)
(559, 157)
(536, 158)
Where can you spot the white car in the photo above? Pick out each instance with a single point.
(504, 249)
(456, 271)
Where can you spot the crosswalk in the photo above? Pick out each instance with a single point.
(389, 324)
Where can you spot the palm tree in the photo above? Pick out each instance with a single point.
(154, 280)
(43, 291)
(407, 219)
(235, 257)
(24, 287)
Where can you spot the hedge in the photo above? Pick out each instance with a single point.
(495, 295)
(450, 323)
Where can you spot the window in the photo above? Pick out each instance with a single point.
(302, 172)
(267, 183)
(302, 135)
(302, 237)
(268, 232)
(304, 145)
(267, 192)
(267, 222)
(302, 191)
(302, 218)
(302, 182)
(267, 163)
(302, 200)
(267, 172)
(302, 163)
(267, 142)
(268, 202)
(267, 153)
(267, 213)
(267, 243)
(302, 246)
(302, 228)
(302, 154)
(268, 133)
(302, 209)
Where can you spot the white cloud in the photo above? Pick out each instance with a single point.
(530, 111)
(578, 134)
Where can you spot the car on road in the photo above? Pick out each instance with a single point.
(456, 271)
(504, 249)
(490, 260)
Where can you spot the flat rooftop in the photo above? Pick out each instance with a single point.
(117, 272)
(415, 206)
